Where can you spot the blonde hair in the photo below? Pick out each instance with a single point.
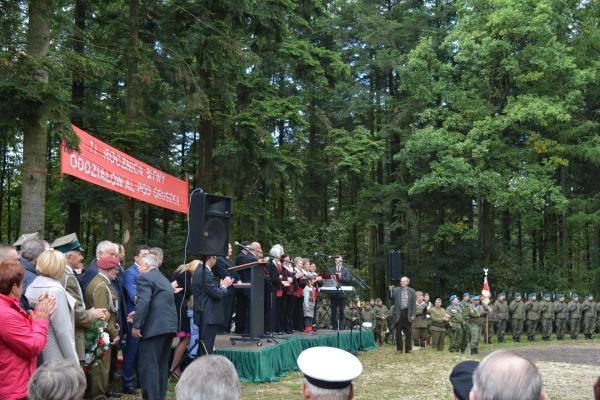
(51, 263)
(190, 267)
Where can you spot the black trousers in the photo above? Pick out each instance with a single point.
(242, 311)
(227, 312)
(280, 305)
(210, 333)
(289, 312)
(298, 314)
(337, 311)
(404, 325)
(153, 365)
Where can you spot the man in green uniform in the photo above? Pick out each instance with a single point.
(367, 314)
(574, 315)
(561, 314)
(419, 325)
(456, 321)
(351, 315)
(517, 314)
(532, 314)
(476, 320)
(501, 314)
(466, 334)
(381, 315)
(598, 314)
(100, 294)
(588, 308)
(547, 311)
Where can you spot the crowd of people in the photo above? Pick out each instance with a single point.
(473, 318)
(59, 311)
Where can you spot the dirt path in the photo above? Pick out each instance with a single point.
(564, 353)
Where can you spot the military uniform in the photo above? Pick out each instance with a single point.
(588, 308)
(419, 325)
(501, 315)
(547, 311)
(574, 316)
(101, 294)
(438, 327)
(466, 333)
(381, 326)
(598, 314)
(351, 315)
(561, 314)
(476, 320)
(488, 324)
(517, 313)
(457, 325)
(367, 314)
(532, 314)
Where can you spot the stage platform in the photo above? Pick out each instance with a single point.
(271, 361)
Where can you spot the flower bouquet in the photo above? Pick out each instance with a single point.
(97, 342)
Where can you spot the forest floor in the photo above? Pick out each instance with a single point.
(569, 369)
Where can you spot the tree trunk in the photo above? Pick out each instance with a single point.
(35, 132)
(131, 117)
(73, 224)
(3, 179)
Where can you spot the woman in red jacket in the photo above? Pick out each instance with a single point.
(22, 336)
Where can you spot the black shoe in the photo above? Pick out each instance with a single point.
(112, 393)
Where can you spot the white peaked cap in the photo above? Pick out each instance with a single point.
(329, 367)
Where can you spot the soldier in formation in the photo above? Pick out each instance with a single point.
(501, 314)
(466, 333)
(561, 314)
(574, 315)
(419, 325)
(588, 309)
(517, 315)
(547, 312)
(532, 314)
(476, 320)
(456, 323)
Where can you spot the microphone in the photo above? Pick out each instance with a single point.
(241, 245)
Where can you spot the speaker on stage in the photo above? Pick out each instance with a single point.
(209, 224)
(394, 265)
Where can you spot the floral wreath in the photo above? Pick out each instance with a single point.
(97, 343)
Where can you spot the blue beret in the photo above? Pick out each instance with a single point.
(475, 298)
(560, 296)
(466, 294)
(574, 295)
(453, 297)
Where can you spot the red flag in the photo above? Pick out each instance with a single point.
(485, 292)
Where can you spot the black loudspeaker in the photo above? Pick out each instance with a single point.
(209, 225)
(394, 265)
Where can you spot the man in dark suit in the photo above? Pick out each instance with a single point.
(155, 325)
(246, 256)
(208, 302)
(221, 271)
(405, 310)
(342, 275)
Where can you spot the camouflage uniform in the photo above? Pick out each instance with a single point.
(501, 314)
(419, 325)
(547, 311)
(466, 333)
(588, 309)
(574, 316)
(517, 312)
(532, 310)
(457, 324)
(561, 314)
(476, 320)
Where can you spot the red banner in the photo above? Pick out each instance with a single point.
(103, 165)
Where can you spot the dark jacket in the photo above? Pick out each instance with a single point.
(30, 273)
(242, 259)
(221, 272)
(211, 300)
(346, 278)
(90, 273)
(411, 303)
(155, 309)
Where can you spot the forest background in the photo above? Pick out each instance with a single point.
(463, 133)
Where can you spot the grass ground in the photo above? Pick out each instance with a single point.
(423, 374)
